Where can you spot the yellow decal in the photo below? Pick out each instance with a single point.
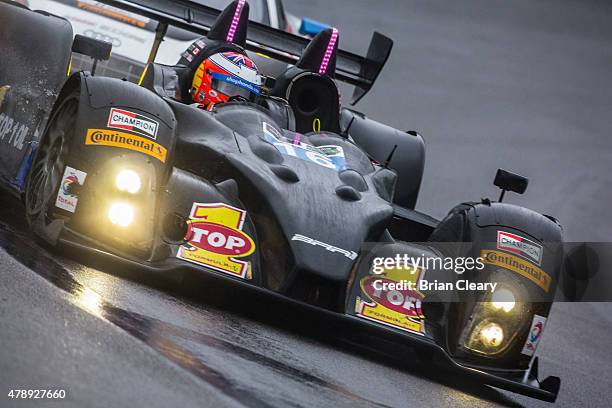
(316, 125)
(517, 265)
(115, 15)
(215, 239)
(3, 90)
(142, 76)
(105, 137)
(392, 307)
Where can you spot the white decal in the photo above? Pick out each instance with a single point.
(349, 254)
(12, 132)
(66, 199)
(521, 246)
(331, 157)
(133, 122)
(534, 336)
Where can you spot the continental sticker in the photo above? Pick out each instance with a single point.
(105, 137)
(215, 239)
(517, 265)
(396, 308)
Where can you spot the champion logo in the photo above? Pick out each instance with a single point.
(133, 122)
(521, 246)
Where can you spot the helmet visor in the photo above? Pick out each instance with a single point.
(233, 86)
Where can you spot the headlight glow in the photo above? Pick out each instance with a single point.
(492, 335)
(503, 299)
(121, 214)
(129, 181)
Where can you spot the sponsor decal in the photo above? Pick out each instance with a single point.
(349, 254)
(393, 307)
(517, 265)
(12, 132)
(105, 137)
(112, 12)
(249, 86)
(534, 335)
(65, 199)
(336, 155)
(523, 247)
(200, 43)
(331, 157)
(3, 90)
(134, 122)
(187, 56)
(215, 239)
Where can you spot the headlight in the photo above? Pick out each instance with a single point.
(503, 299)
(497, 319)
(486, 338)
(129, 181)
(121, 214)
(492, 335)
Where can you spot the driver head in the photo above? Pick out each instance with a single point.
(225, 75)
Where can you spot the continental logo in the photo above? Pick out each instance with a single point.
(517, 265)
(105, 137)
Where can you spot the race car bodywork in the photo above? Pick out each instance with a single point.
(249, 192)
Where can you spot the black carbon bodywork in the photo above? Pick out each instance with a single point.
(379, 141)
(313, 208)
(33, 68)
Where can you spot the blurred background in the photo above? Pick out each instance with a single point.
(523, 85)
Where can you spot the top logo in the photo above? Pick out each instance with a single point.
(133, 122)
(521, 246)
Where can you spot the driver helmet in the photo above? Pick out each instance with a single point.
(223, 76)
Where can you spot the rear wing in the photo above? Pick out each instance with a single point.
(351, 68)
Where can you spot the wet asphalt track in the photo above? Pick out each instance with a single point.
(522, 85)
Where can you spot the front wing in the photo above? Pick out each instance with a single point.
(525, 382)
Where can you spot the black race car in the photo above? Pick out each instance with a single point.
(292, 195)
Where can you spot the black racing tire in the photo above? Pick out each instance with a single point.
(48, 166)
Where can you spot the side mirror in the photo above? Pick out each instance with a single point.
(508, 181)
(96, 49)
(311, 27)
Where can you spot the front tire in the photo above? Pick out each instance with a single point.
(48, 167)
